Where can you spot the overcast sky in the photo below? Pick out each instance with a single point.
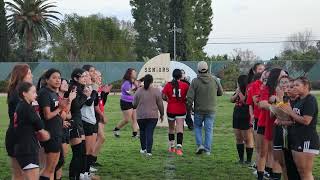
(233, 21)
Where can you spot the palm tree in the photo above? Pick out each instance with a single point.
(31, 20)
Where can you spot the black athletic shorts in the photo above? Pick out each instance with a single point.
(125, 105)
(255, 124)
(10, 142)
(308, 144)
(241, 118)
(66, 136)
(28, 162)
(278, 138)
(53, 145)
(261, 130)
(173, 117)
(89, 129)
(76, 129)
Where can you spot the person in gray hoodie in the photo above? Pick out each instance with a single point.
(202, 95)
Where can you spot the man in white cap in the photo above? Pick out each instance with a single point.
(203, 93)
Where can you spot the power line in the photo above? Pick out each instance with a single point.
(260, 42)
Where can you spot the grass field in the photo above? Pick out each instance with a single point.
(121, 158)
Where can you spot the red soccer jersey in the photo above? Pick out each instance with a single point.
(176, 105)
(100, 100)
(254, 91)
(264, 114)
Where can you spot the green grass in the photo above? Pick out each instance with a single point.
(121, 158)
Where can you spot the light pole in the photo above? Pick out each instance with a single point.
(175, 30)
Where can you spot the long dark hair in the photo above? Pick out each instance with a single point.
(127, 75)
(46, 76)
(76, 73)
(176, 74)
(273, 80)
(305, 81)
(147, 81)
(87, 67)
(23, 88)
(18, 73)
(253, 71)
(243, 83)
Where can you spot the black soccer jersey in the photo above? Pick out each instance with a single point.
(306, 106)
(26, 123)
(49, 98)
(13, 101)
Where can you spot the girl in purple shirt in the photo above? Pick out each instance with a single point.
(128, 88)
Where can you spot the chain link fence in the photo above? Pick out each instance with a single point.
(227, 71)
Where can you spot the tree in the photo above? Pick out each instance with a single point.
(300, 51)
(300, 41)
(4, 42)
(144, 41)
(93, 38)
(31, 20)
(153, 19)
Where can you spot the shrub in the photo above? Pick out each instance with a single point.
(3, 86)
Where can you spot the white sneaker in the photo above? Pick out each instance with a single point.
(148, 154)
(200, 149)
(116, 133)
(92, 169)
(255, 173)
(82, 177)
(143, 151)
(86, 176)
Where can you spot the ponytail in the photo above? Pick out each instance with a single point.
(177, 75)
(147, 81)
(250, 75)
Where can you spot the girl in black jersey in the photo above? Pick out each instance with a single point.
(241, 121)
(305, 140)
(20, 73)
(28, 128)
(77, 138)
(50, 112)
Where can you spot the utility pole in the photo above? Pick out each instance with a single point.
(175, 30)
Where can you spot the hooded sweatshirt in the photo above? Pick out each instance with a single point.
(203, 93)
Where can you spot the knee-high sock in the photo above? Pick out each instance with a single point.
(84, 167)
(240, 149)
(179, 138)
(76, 162)
(249, 152)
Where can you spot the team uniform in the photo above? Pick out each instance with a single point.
(88, 115)
(10, 139)
(292, 171)
(126, 98)
(254, 90)
(304, 138)
(176, 105)
(241, 116)
(26, 123)
(100, 102)
(65, 134)
(76, 129)
(49, 98)
(265, 123)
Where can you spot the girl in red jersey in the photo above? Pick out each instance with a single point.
(175, 93)
(267, 91)
(241, 121)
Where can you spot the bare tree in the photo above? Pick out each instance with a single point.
(301, 41)
(244, 55)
